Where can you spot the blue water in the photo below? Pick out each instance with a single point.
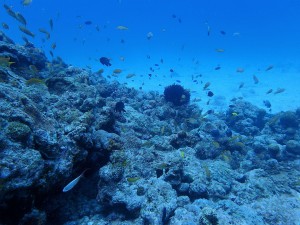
(258, 34)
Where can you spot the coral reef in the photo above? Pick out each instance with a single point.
(151, 164)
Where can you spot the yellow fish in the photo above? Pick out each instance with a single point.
(5, 61)
(220, 50)
(122, 28)
(117, 71)
(234, 114)
(26, 2)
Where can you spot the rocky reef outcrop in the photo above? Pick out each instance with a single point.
(155, 163)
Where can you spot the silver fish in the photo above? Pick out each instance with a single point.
(72, 184)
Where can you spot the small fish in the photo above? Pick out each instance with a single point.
(162, 130)
(223, 32)
(105, 61)
(210, 94)
(132, 179)
(25, 39)
(269, 91)
(241, 85)
(51, 53)
(26, 2)
(42, 30)
(218, 67)
(5, 26)
(206, 85)
(267, 103)
(171, 70)
(88, 22)
(234, 114)
(5, 61)
(279, 90)
(9, 11)
(72, 184)
(269, 67)
(255, 79)
(208, 28)
(51, 24)
(53, 46)
(117, 71)
(197, 100)
(240, 70)
(122, 28)
(26, 31)
(220, 50)
(130, 75)
(100, 71)
(20, 18)
(149, 35)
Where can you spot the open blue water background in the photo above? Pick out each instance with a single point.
(258, 34)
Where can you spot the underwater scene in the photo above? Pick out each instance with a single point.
(149, 112)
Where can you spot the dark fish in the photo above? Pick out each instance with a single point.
(241, 85)
(218, 67)
(269, 91)
(161, 61)
(210, 111)
(5, 26)
(171, 70)
(210, 94)
(120, 107)
(178, 81)
(255, 79)
(51, 53)
(51, 24)
(179, 20)
(88, 22)
(223, 32)
(174, 16)
(267, 104)
(105, 61)
(156, 64)
(269, 67)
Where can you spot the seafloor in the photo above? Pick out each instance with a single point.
(155, 163)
